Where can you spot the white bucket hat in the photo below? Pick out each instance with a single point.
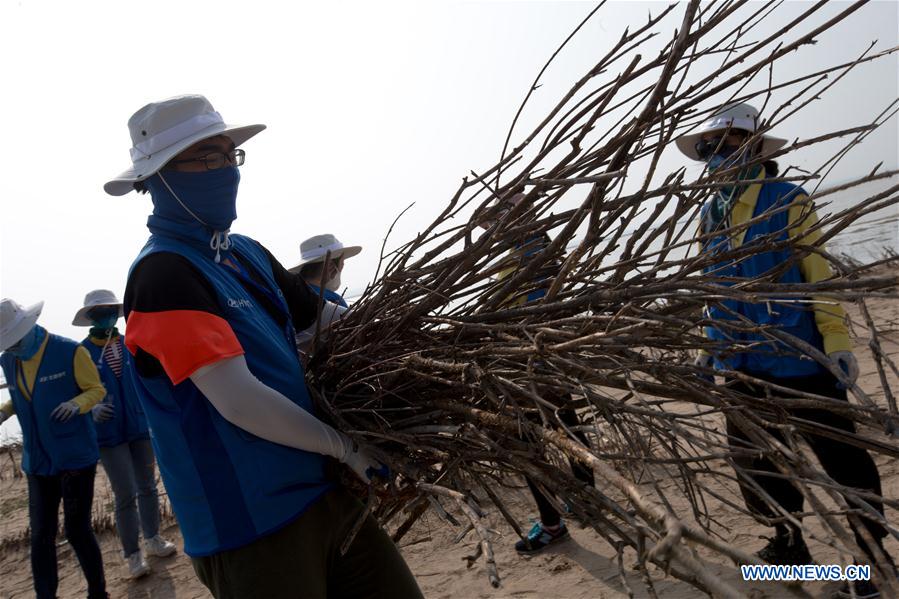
(316, 248)
(162, 130)
(95, 298)
(738, 116)
(16, 320)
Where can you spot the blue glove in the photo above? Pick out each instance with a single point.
(383, 472)
(365, 466)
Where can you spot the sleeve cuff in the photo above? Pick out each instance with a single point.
(837, 342)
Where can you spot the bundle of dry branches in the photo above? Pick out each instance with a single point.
(457, 387)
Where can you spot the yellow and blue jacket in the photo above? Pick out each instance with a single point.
(60, 371)
(823, 325)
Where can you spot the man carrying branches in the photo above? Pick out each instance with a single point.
(211, 324)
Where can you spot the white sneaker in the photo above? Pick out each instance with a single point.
(159, 547)
(137, 565)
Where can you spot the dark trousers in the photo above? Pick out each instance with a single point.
(848, 465)
(76, 490)
(549, 515)
(303, 561)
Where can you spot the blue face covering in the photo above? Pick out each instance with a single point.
(27, 346)
(716, 162)
(726, 157)
(104, 318)
(209, 196)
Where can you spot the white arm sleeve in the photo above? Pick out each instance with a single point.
(331, 313)
(244, 401)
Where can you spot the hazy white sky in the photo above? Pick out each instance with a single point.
(370, 106)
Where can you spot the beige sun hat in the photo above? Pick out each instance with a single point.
(316, 248)
(162, 130)
(737, 116)
(16, 320)
(94, 299)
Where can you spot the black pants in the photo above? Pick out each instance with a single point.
(549, 516)
(76, 489)
(303, 560)
(848, 465)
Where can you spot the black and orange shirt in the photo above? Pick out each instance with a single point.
(175, 322)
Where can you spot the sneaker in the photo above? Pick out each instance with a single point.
(540, 538)
(864, 589)
(780, 551)
(159, 547)
(137, 565)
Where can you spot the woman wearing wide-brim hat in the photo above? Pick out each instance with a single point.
(737, 153)
(53, 385)
(321, 263)
(324, 278)
(211, 321)
(122, 434)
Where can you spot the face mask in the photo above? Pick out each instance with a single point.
(334, 283)
(27, 346)
(104, 318)
(209, 197)
(726, 158)
(716, 161)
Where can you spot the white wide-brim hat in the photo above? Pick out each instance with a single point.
(16, 321)
(316, 248)
(739, 116)
(95, 299)
(162, 130)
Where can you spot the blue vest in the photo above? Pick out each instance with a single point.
(227, 486)
(331, 296)
(51, 446)
(771, 358)
(129, 423)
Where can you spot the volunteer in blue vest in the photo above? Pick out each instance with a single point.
(728, 140)
(53, 385)
(125, 449)
(324, 278)
(550, 528)
(211, 321)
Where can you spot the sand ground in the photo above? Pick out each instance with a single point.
(582, 567)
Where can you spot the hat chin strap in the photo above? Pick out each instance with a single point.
(220, 239)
